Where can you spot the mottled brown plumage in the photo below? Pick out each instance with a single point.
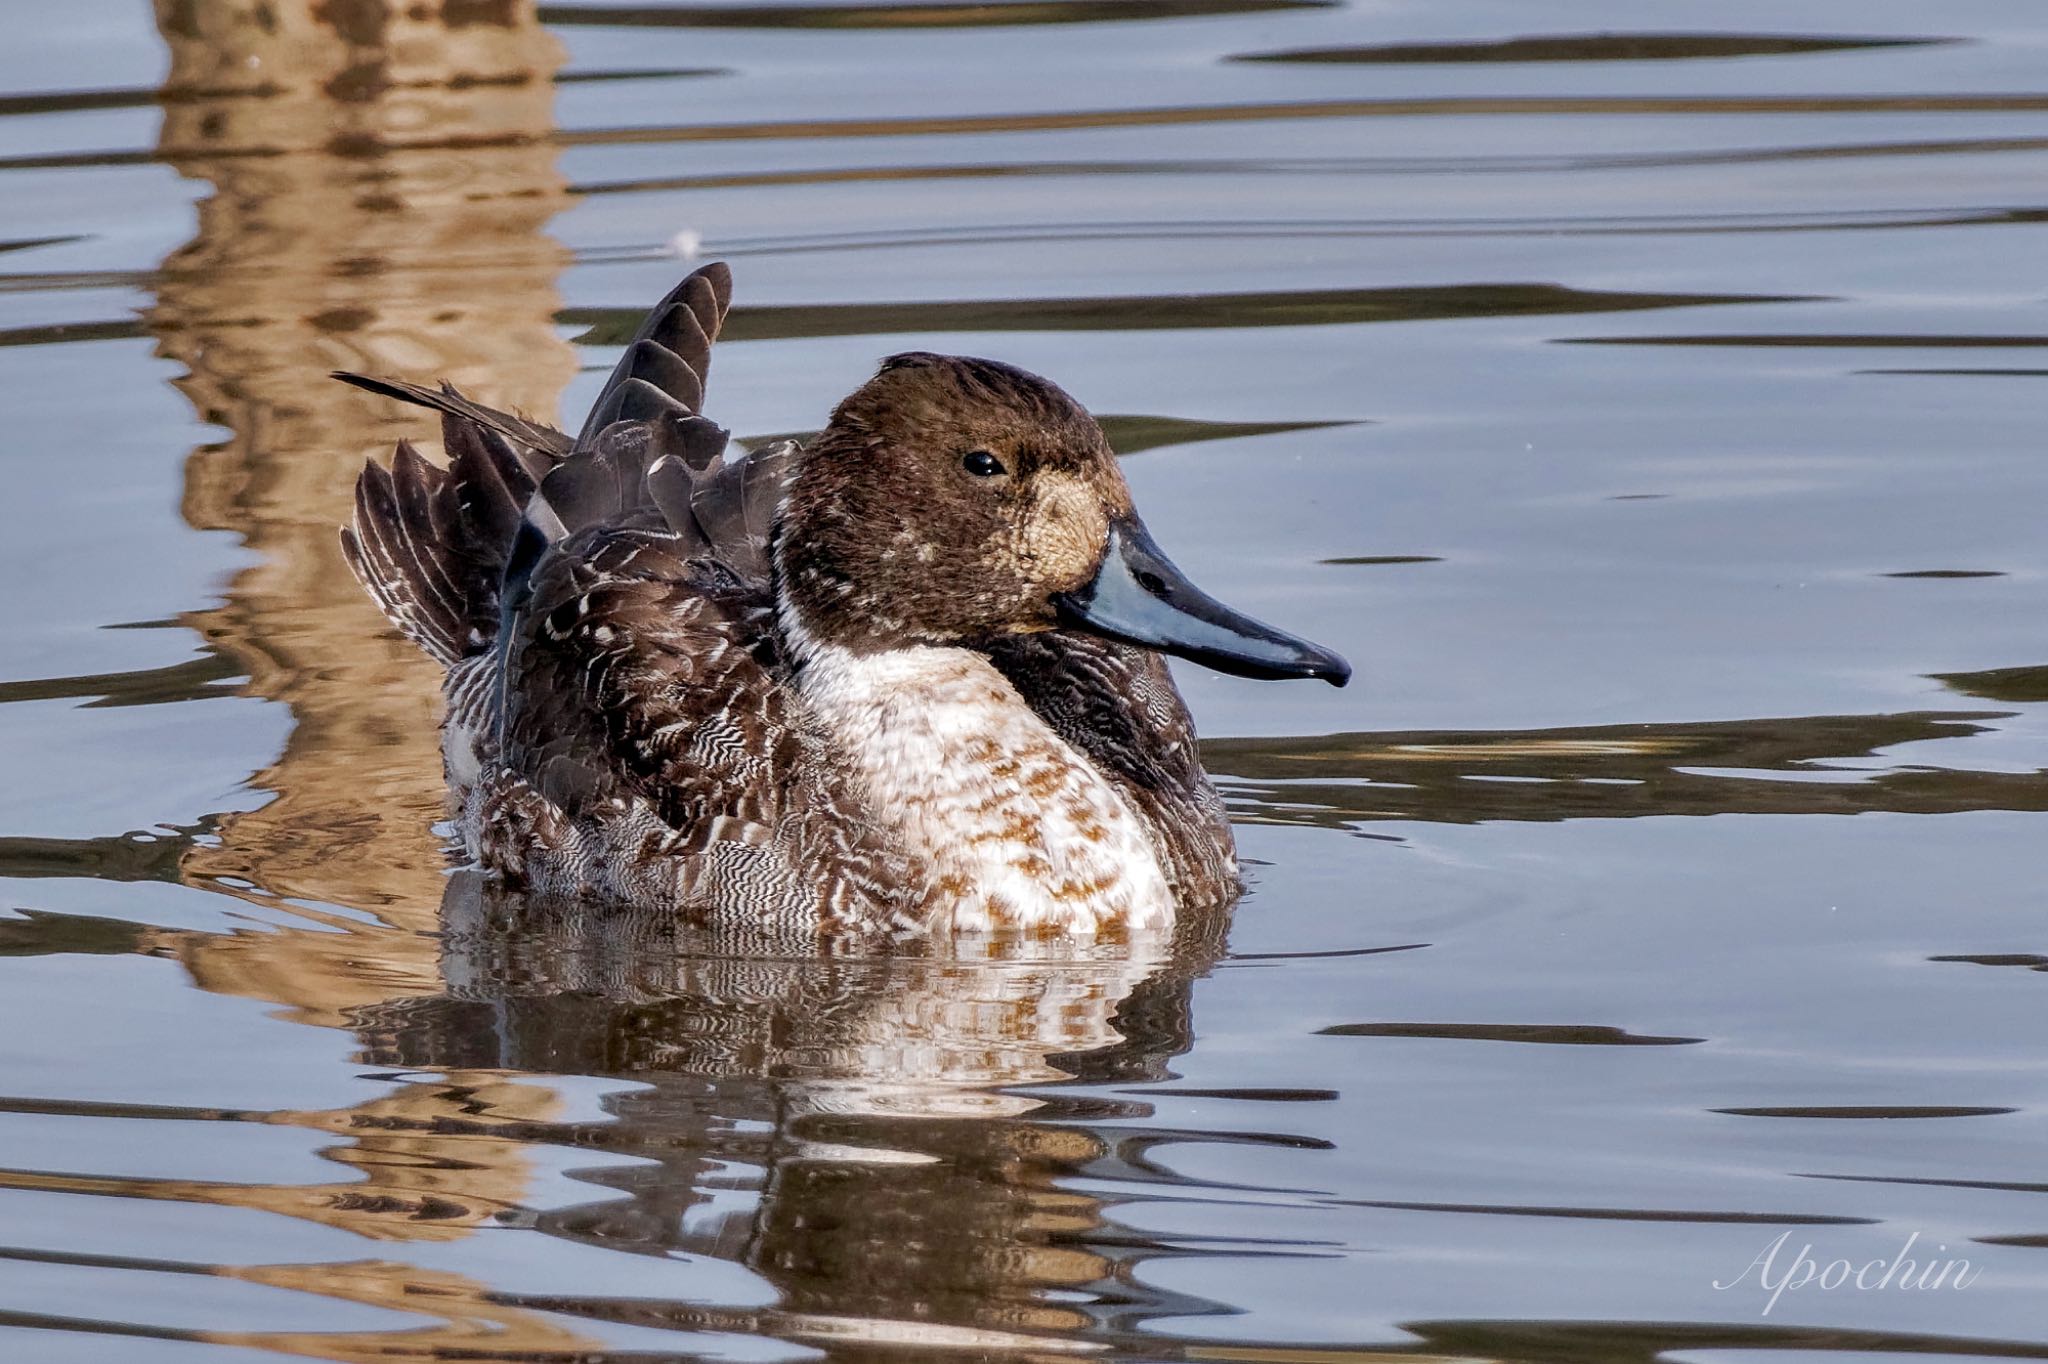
(835, 691)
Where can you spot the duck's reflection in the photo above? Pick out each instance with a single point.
(871, 1141)
(849, 1129)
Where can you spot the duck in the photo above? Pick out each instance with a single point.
(906, 679)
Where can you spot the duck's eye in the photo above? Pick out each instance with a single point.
(981, 464)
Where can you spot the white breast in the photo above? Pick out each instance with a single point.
(1021, 830)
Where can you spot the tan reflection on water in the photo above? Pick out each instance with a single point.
(381, 183)
(407, 1185)
(471, 1324)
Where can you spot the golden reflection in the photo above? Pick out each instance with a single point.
(381, 180)
(462, 1319)
(381, 177)
(421, 1170)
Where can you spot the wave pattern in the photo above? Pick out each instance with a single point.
(1612, 393)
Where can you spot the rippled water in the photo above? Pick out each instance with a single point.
(1647, 398)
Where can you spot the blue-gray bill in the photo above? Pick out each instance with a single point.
(1139, 597)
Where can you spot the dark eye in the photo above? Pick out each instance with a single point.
(981, 464)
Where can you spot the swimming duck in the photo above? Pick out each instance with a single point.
(904, 680)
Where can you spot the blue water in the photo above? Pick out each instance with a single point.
(1648, 403)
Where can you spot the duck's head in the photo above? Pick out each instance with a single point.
(954, 501)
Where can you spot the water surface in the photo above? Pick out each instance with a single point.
(1650, 404)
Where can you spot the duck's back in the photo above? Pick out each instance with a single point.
(620, 723)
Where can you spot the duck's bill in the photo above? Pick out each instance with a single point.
(1139, 597)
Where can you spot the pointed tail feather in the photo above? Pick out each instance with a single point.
(646, 415)
(533, 436)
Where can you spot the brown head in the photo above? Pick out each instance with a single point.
(953, 501)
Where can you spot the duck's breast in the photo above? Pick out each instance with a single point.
(1021, 831)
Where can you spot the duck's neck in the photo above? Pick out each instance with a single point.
(1020, 830)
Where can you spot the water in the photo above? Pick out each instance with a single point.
(1649, 404)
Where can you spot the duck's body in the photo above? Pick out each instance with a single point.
(801, 688)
